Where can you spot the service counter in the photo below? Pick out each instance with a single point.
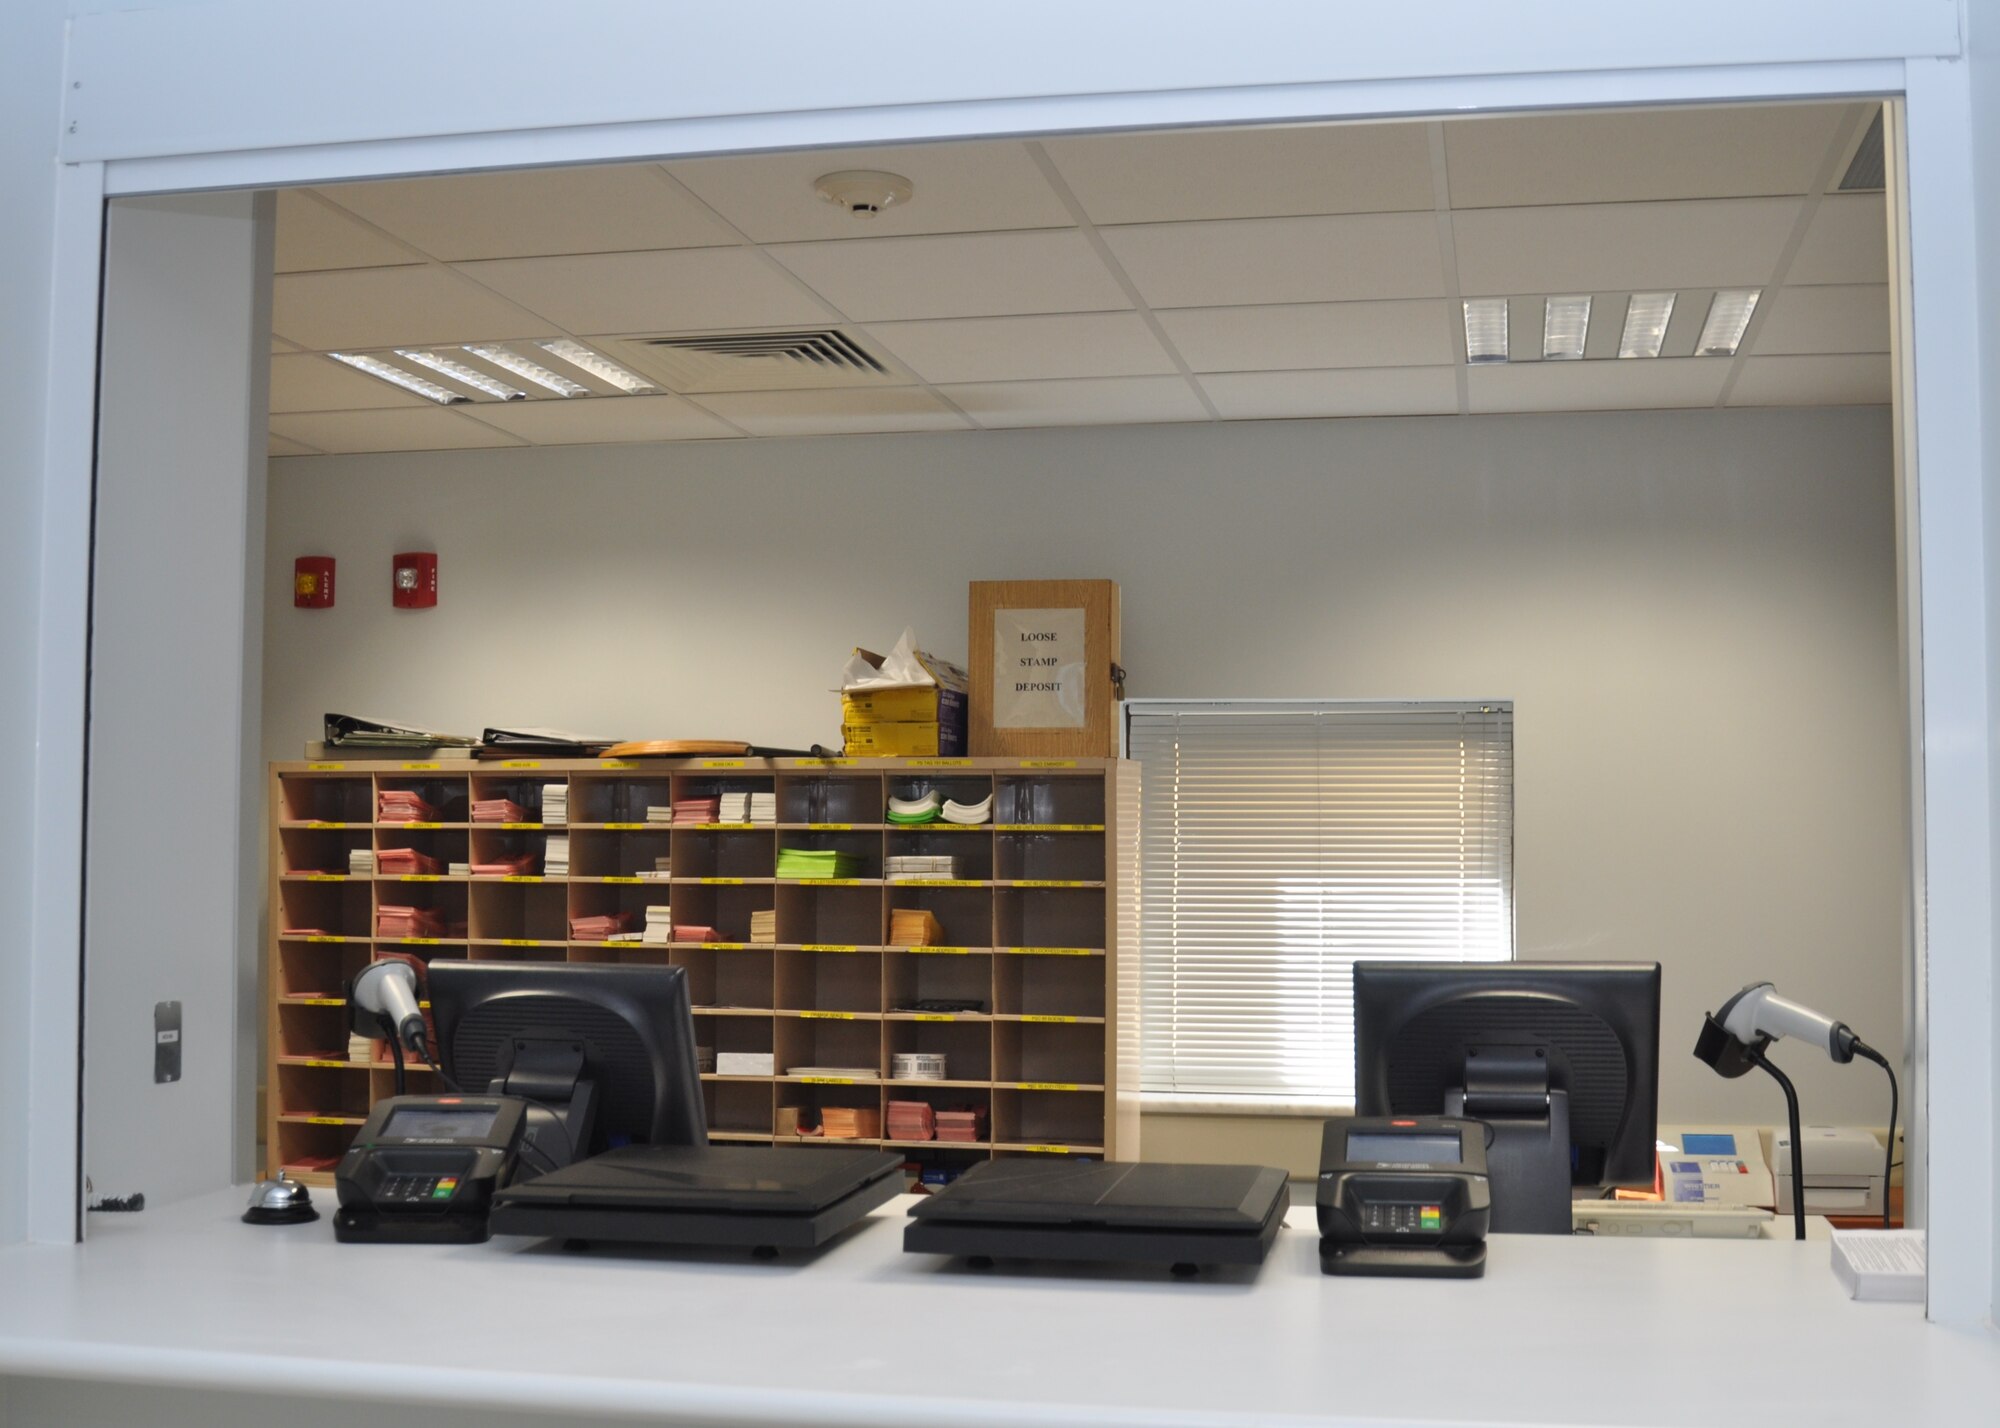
(186, 1315)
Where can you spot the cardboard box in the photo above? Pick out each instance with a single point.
(903, 741)
(1044, 662)
(910, 720)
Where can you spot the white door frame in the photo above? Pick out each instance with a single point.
(1952, 781)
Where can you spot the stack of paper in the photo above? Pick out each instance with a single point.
(817, 863)
(498, 810)
(661, 870)
(969, 813)
(916, 810)
(407, 860)
(360, 862)
(733, 808)
(458, 870)
(962, 1123)
(912, 1120)
(914, 927)
(555, 803)
(764, 924)
(764, 808)
(659, 926)
(694, 932)
(697, 809)
(850, 1123)
(922, 865)
(659, 813)
(358, 1048)
(520, 865)
(745, 1063)
(599, 927)
(395, 920)
(555, 856)
(402, 805)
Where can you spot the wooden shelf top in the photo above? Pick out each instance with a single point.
(390, 766)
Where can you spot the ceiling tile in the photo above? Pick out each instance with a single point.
(1004, 349)
(958, 188)
(1622, 246)
(276, 445)
(307, 382)
(431, 428)
(673, 291)
(611, 209)
(1319, 335)
(314, 236)
(840, 410)
(1103, 401)
(1829, 318)
(1619, 384)
(1847, 242)
(1625, 155)
(382, 307)
(1247, 173)
(1812, 381)
(968, 275)
(1354, 391)
(1346, 258)
(576, 420)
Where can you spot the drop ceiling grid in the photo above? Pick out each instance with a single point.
(1165, 262)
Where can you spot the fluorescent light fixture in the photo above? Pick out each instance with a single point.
(1565, 323)
(459, 372)
(508, 361)
(1728, 314)
(1486, 329)
(408, 381)
(1646, 318)
(602, 368)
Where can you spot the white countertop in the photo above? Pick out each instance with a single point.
(1560, 1331)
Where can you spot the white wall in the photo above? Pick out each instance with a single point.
(1694, 612)
(179, 504)
(31, 38)
(1983, 64)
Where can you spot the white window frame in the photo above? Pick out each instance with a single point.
(1276, 1102)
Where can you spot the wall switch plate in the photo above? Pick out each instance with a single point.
(166, 1042)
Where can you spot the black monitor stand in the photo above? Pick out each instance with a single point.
(547, 1073)
(1528, 1159)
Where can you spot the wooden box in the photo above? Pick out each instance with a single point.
(1042, 657)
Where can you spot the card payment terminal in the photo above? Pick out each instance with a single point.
(1404, 1196)
(424, 1168)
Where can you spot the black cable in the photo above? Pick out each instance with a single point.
(1862, 1048)
(1755, 1055)
(396, 1046)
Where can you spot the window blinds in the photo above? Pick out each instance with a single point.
(1279, 842)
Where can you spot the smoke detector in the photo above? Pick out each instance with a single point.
(863, 192)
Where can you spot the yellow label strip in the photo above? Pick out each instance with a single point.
(419, 766)
(828, 947)
(1058, 1020)
(326, 768)
(1048, 1086)
(827, 1016)
(1048, 763)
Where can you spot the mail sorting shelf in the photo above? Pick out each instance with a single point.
(1039, 906)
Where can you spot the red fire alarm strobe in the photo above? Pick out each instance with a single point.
(312, 582)
(416, 582)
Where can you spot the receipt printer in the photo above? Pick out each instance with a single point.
(1843, 1170)
(1404, 1196)
(1714, 1165)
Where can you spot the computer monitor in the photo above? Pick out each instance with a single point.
(1561, 1059)
(604, 1054)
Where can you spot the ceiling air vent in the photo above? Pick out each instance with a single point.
(1864, 170)
(720, 361)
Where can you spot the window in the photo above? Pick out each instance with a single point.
(1279, 842)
